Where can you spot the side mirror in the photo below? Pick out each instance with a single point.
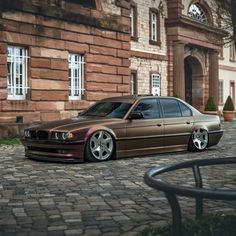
(135, 116)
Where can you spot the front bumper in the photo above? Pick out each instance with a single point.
(47, 150)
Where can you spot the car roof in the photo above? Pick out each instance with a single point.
(133, 98)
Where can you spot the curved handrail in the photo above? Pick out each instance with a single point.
(198, 192)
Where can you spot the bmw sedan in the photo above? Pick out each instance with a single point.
(121, 127)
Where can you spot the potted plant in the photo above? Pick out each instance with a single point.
(228, 109)
(210, 107)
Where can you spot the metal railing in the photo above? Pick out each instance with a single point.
(198, 192)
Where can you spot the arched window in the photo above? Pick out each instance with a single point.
(197, 13)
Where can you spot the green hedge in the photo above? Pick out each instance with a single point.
(10, 141)
(210, 105)
(229, 105)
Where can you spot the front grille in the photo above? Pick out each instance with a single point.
(38, 134)
(42, 135)
(33, 134)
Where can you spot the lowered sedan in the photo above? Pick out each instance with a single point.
(123, 126)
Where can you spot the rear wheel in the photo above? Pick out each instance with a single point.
(198, 140)
(100, 146)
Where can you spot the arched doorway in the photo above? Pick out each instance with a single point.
(193, 82)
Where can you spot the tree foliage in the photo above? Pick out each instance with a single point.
(225, 11)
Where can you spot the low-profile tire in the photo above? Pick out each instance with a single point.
(100, 146)
(198, 140)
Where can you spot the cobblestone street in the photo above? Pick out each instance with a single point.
(108, 198)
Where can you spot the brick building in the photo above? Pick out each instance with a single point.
(59, 56)
(56, 57)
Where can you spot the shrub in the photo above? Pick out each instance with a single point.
(229, 105)
(10, 141)
(210, 105)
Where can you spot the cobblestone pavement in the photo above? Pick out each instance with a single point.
(109, 198)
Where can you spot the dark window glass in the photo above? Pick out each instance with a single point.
(170, 108)
(149, 108)
(108, 109)
(85, 3)
(185, 110)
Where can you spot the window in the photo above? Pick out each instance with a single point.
(87, 3)
(17, 59)
(149, 108)
(133, 83)
(232, 90)
(133, 22)
(186, 111)
(156, 84)
(232, 52)
(196, 12)
(221, 54)
(76, 76)
(170, 108)
(108, 109)
(154, 27)
(221, 92)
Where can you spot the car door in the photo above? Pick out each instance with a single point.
(145, 133)
(178, 121)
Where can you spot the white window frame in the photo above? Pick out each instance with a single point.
(232, 52)
(156, 84)
(132, 21)
(154, 17)
(17, 78)
(76, 76)
(221, 92)
(133, 83)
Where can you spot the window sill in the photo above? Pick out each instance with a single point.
(15, 98)
(232, 60)
(156, 43)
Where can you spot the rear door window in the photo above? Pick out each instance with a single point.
(186, 111)
(170, 108)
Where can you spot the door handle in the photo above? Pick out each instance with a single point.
(159, 125)
(188, 122)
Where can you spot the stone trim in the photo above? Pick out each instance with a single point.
(150, 56)
(228, 68)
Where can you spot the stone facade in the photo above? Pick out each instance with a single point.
(145, 57)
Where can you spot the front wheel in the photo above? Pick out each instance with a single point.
(198, 140)
(100, 146)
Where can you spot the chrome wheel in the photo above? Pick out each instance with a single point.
(101, 145)
(200, 139)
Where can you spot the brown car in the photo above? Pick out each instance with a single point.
(123, 126)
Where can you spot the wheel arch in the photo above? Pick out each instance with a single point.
(98, 128)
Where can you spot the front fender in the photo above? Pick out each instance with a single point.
(98, 128)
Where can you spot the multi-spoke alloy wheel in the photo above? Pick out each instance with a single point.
(100, 146)
(199, 140)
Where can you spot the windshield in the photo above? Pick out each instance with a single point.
(108, 109)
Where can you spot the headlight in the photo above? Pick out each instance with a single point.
(63, 135)
(26, 133)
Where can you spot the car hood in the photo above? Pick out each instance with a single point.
(76, 123)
